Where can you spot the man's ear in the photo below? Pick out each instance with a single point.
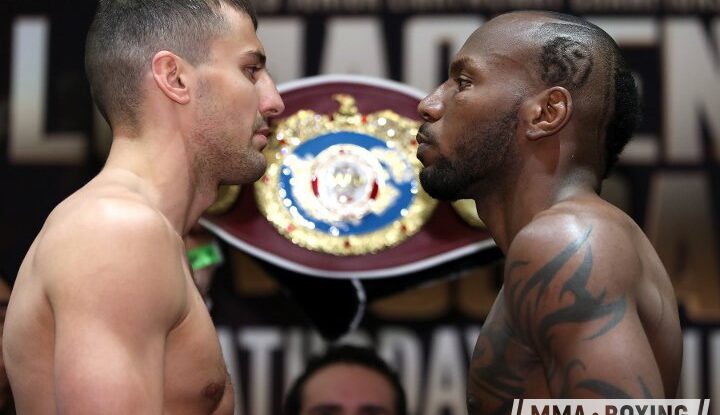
(547, 112)
(168, 71)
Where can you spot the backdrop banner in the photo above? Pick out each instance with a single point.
(52, 141)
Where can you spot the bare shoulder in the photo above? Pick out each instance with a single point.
(581, 277)
(574, 262)
(110, 246)
(595, 235)
(96, 222)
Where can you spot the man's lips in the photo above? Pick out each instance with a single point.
(262, 137)
(265, 131)
(421, 138)
(424, 146)
(422, 154)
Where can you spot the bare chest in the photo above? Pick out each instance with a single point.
(196, 379)
(502, 367)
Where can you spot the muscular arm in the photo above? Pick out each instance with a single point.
(570, 293)
(113, 286)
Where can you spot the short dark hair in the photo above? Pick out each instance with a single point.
(566, 60)
(126, 34)
(345, 354)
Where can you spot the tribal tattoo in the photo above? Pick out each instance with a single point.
(599, 387)
(526, 295)
(491, 372)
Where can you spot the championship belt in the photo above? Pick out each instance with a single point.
(345, 183)
(339, 218)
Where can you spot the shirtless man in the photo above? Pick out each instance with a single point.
(536, 109)
(105, 317)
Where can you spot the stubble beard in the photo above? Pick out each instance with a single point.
(231, 163)
(221, 156)
(478, 161)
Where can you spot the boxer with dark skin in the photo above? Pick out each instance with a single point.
(534, 113)
(105, 317)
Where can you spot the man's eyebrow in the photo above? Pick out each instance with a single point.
(324, 408)
(458, 65)
(374, 409)
(259, 56)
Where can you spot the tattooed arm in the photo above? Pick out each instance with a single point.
(570, 294)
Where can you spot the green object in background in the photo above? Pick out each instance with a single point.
(204, 256)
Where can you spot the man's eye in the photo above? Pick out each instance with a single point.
(251, 71)
(462, 83)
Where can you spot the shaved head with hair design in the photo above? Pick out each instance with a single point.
(571, 50)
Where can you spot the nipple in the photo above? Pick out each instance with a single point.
(214, 391)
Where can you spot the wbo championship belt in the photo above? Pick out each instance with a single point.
(340, 218)
(341, 196)
(346, 183)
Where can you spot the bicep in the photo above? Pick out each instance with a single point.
(109, 347)
(100, 370)
(574, 308)
(616, 363)
(114, 297)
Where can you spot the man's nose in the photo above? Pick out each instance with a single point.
(430, 108)
(271, 104)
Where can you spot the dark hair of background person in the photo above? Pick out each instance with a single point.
(126, 34)
(345, 354)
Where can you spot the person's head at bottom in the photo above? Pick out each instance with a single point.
(346, 380)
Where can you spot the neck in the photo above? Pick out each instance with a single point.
(509, 209)
(163, 172)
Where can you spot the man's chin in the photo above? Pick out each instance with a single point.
(437, 188)
(248, 175)
(257, 170)
(255, 176)
(443, 197)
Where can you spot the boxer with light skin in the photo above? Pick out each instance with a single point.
(105, 317)
(534, 114)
